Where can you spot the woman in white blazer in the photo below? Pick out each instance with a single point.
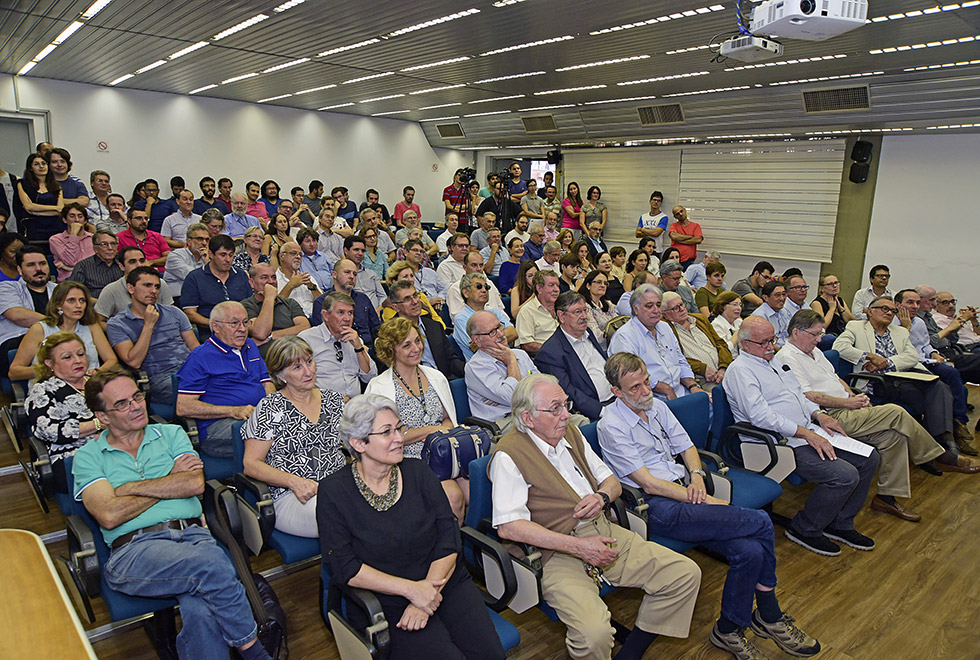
(421, 394)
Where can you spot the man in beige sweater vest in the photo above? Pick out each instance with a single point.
(549, 490)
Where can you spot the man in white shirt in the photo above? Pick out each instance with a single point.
(183, 260)
(367, 280)
(294, 283)
(772, 309)
(451, 269)
(519, 231)
(965, 324)
(175, 225)
(452, 225)
(879, 276)
(334, 338)
(494, 370)
(494, 254)
(550, 254)
(796, 292)
(473, 263)
(654, 223)
(545, 443)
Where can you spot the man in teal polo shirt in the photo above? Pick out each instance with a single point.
(141, 482)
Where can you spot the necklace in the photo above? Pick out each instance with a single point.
(420, 397)
(378, 502)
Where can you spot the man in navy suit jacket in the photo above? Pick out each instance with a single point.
(574, 356)
(594, 240)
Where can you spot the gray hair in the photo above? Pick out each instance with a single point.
(467, 280)
(197, 226)
(712, 254)
(567, 299)
(212, 214)
(876, 299)
(552, 246)
(669, 266)
(524, 400)
(335, 297)
(537, 226)
(95, 173)
(804, 320)
(238, 195)
(284, 352)
(358, 418)
(221, 311)
(490, 214)
(669, 296)
(641, 291)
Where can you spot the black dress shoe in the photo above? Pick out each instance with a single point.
(930, 467)
(970, 407)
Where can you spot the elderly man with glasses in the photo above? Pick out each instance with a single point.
(342, 360)
(475, 290)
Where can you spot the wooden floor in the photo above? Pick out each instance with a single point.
(914, 596)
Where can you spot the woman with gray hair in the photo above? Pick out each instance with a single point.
(386, 525)
(291, 437)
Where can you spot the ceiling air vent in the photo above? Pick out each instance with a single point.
(453, 130)
(540, 124)
(654, 115)
(841, 99)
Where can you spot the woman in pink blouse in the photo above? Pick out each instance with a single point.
(572, 216)
(72, 245)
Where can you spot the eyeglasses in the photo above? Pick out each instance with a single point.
(411, 298)
(765, 342)
(480, 286)
(831, 283)
(948, 301)
(236, 324)
(107, 244)
(557, 408)
(886, 308)
(674, 308)
(390, 432)
(883, 276)
(816, 335)
(126, 404)
(498, 328)
(803, 287)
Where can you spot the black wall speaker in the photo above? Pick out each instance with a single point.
(554, 157)
(859, 172)
(861, 152)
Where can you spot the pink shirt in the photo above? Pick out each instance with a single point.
(69, 249)
(154, 245)
(572, 222)
(257, 209)
(401, 207)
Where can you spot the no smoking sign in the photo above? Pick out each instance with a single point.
(102, 147)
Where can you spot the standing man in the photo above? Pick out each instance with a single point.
(175, 225)
(455, 196)
(879, 276)
(500, 204)
(685, 236)
(407, 204)
(156, 209)
(654, 224)
(101, 269)
(72, 188)
(273, 316)
(151, 518)
(215, 282)
(238, 220)
(516, 187)
(550, 490)
(335, 337)
(207, 199)
(182, 261)
(153, 244)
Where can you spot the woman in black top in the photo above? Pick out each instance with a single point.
(41, 197)
(386, 525)
(835, 311)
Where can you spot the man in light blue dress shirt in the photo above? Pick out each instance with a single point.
(494, 370)
(774, 310)
(314, 262)
(238, 221)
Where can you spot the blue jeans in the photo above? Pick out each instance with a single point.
(216, 438)
(190, 566)
(841, 488)
(743, 536)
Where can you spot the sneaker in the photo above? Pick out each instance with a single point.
(787, 635)
(737, 644)
(818, 544)
(850, 537)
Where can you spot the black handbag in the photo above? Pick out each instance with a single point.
(449, 453)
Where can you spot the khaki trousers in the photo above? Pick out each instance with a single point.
(670, 580)
(896, 435)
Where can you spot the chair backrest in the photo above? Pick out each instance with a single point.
(457, 387)
(722, 416)
(238, 445)
(841, 367)
(481, 492)
(833, 357)
(11, 354)
(693, 412)
(78, 509)
(591, 434)
(614, 325)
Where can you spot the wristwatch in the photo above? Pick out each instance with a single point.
(605, 497)
(703, 474)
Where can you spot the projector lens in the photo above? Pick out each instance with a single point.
(807, 6)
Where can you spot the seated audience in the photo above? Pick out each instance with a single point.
(421, 394)
(10, 244)
(479, 236)
(68, 310)
(452, 226)
(593, 239)
(375, 259)
(618, 254)
(523, 289)
(114, 298)
(175, 225)
(536, 320)
(214, 220)
(252, 254)
(451, 268)
(385, 526)
(637, 262)
(569, 273)
(534, 246)
(366, 321)
(156, 209)
(214, 282)
(277, 233)
(222, 379)
(943, 340)
(493, 254)
(520, 228)
(647, 336)
(99, 269)
(291, 440)
(598, 307)
(581, 250)
(623, 307)
(193, 255)
(273, 316)
(772, 310)
(150, 336)
(73, 244)
(705, 351)
(714, 285)
(473, 263)
(614, 286)
(678, 499)
(750, 288)
(330, 241)
(386, 240)
(550, 255)
(367, 281)
(493, 371)
(671, 277)
(341, 357)
(437, 352)
(293, 283)
(796, 292)
(726, 318)
(426, 279)
(696, 274)
(889, 428)
(151, 243)
(256, 207)
(475, 290)
(207, 200)
(836, 314)
(114, 220)
(575, 357)
(879, 275)
(530, 505)
(403, 270)
(181, 560)
(763, 394)
(965, 331)
(55, 403)
(239, 220)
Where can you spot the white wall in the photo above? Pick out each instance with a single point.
(925, 223)
(157, 135)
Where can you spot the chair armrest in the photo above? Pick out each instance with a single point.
(532, 556)
(264, 504)
(710, 457)
(634, 499)
(83, 555)
(496, 552)
(190, 426)
(877, 381)
(41, 465)
(482, 423)
(376, 635)
(769, 438)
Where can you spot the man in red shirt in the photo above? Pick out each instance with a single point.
(408, 192)
(455, 196)
(685, 236)
(153, 244)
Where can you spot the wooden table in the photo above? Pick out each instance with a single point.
(38, 619)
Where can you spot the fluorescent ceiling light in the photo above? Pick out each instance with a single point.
(950, 126)
(286, 65)
(441, 105)
(947, 65)
(288, 5)
(484, 114)
(826, 78)
(122, 79)
(434, 21)
(546, 107)
(694, 48)
(202, 89)
(801, 60)
(95, 8)
(747, 135)
(188, 50)
(604, 63)
(382, 98)
(371, 77)
(339, 105)
(660, 19)
(924, 12)
(631, 98)
(27, 67)
(511, 77)
(47, 50)
(274, 98)
(660, 78)
(441, 118)
(436, 89)
(709, 91)
(569, 89)
(390, 112)
(428, 66)
(507, 3)
(237, 78)
(499, 98)
(315, 89)
(67, 32)
(150, 67)
(241, 26)
(341, 49)
(529, 44)
(931, 44)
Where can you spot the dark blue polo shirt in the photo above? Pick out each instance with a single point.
(223, 376)
(158, 213)
(167, 348)
(200, 206)
(203, 290)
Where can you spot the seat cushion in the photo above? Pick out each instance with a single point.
(293, 548)
(751, 490)
(506, 631)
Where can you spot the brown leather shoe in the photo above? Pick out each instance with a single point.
(963, 464)
(964, 437)
(895, 509)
